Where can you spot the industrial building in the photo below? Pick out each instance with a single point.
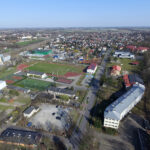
(92, 68)
(116, 111)
(20, 137)
(2, 84)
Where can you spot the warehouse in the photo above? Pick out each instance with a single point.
(115, 112)
(2, 84)
(20, 137)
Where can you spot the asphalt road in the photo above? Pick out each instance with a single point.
(83, 119)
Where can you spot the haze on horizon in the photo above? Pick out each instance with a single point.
(74, 13)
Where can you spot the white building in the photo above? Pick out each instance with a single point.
(2, 84)
(92, 68)
(26, 37)
(30, 111)
(115, 112)
(36, 74)
(122, 54)
(4, 58)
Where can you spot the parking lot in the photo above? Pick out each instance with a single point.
(51, 117)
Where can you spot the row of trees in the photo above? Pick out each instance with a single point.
(145, 73)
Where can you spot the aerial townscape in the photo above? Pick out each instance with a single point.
(71, 84)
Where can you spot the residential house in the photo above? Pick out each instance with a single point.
(92, 68)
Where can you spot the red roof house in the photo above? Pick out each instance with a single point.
(142, 49)
(131, 47)
(118, 68)
(115, 70)
(92, 68)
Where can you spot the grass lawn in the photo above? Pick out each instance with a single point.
(3, 108)
(7, 72)
(125, 64)
(25, 43)
(55, 68)
(3, 100)
(33, 84)
(23, 98)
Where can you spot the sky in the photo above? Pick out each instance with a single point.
(74, 13)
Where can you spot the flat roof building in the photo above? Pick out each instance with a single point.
(41, 52)
(123, 54)
(115, 112)
(59, 91)
(20, 137)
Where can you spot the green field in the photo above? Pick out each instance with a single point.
(57, 69)
(125, 64)
(33, 84)
(7, 72)
(25, 43)
(3, 108)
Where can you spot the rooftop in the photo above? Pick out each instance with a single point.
(29, 110)
(92, 66)
(114, 110)
(20, 136)
(36, 73)
(59, 90)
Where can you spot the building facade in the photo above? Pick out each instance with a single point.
(116, 111)
(92, 68)
(2, 84)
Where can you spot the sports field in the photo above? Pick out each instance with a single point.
(25, 43)
(57, 69)
(33, 84)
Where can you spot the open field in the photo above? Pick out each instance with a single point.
(57, 69)
(25, 43)
(33, 84)
(3, 107)
(7, 72)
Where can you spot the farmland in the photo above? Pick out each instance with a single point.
(57, 69)
(33, 84)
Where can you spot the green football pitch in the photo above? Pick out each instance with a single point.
(57, 69)
(33, 84)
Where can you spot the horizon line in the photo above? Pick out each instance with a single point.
(74, 27)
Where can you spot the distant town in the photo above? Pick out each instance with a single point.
(75, 89)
